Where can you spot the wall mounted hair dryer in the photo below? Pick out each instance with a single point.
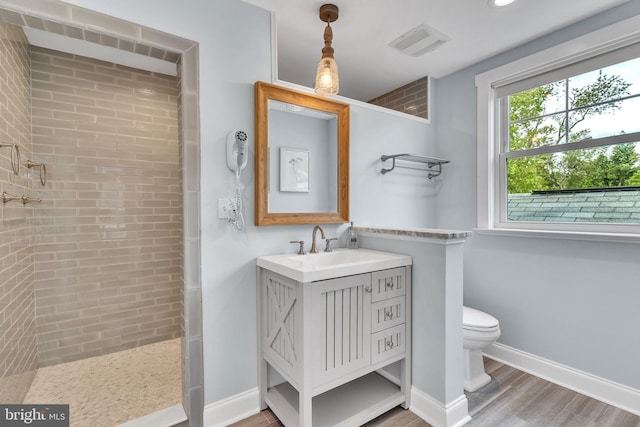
(237, 153)
(237, 147)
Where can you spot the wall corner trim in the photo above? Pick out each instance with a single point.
(232, 409)
(455, 414)
(609, 392)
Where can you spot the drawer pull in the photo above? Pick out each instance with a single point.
(389, 343)
(390, 284)
(388, 313)
(368, 290)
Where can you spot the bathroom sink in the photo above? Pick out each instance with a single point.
(328, 265)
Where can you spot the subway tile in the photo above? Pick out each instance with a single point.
(168, 41)
(17, 307)
(11, 17)
(116, 90)
(109, 41)
(53, 70)
(59, 353)
(101, 344)
(171, 56)
(82, 339)
(94, 76)
(142, 49)
(87, 280)
(56, 335)
(74, 99)
(157, 53)
(126, 45)
(97, 20)
(54, 27)
(155, 324)
(73, 32)
(102, 98)
(134, 337)
(34, 22)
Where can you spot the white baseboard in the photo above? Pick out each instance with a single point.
(243, 405)
(455, 414)
(232, 409)
(166, 417)
(609, 392)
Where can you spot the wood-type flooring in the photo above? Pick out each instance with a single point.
(512, 399)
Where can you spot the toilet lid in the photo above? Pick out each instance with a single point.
(476, 319)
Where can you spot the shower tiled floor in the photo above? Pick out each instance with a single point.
(107, 390)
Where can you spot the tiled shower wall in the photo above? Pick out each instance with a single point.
(108, 233)
(412, 98)
(17, 326)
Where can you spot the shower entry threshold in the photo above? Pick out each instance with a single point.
(167, 417)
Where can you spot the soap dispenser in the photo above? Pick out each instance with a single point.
(353, 237)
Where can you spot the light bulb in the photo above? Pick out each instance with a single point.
(327, 82)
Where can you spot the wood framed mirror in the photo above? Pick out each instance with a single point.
(301, 157)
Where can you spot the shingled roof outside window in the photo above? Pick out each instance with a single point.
(605, 205)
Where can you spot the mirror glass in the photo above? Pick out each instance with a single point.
(302, 157)
(303, 149)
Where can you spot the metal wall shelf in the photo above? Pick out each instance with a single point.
(434, 165)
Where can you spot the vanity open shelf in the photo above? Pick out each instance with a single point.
(350, 404)
(323, 342)
(433, 164)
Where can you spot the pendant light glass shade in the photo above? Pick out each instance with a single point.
(327, 82)
(327, 74)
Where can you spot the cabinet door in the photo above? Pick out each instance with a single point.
(342, 322)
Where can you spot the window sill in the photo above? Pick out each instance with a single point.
(564, 235)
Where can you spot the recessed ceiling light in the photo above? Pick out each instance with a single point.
(499, 3)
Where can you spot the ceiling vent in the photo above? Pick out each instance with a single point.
(419, 40)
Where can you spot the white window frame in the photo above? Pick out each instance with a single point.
(491, 187)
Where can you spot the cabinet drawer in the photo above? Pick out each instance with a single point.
(387, 343)
(387, 313)
(388, 283)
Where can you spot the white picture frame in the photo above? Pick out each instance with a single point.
(294, 170)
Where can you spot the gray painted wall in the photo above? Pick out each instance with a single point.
(573, 302)
(404, 197)
(231, 61)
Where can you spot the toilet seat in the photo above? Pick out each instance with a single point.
(476, 320)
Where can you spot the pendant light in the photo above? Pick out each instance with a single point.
(327, 74)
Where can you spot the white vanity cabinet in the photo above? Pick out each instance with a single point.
(322, 346)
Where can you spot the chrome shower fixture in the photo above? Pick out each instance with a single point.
(15, 157)
(43, 170)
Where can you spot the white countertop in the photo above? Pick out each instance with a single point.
(329, 265)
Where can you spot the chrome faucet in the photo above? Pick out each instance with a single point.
(314, 250)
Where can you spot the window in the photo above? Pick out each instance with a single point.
(559, 138)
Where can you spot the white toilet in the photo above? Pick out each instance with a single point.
(479, 330)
